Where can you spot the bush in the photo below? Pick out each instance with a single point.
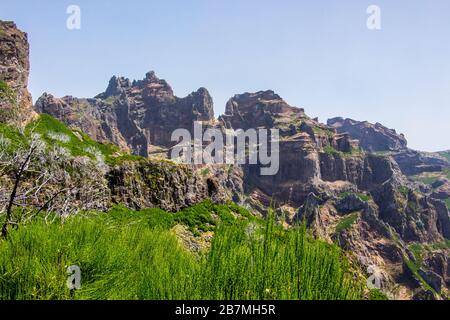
(347, 222)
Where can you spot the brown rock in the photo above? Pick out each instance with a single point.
(134, 115)
(372, 137)
(15, 100)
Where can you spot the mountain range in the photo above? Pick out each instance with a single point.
(353, 183)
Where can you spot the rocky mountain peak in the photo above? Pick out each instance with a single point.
(151, 77)
(116, 86)
(134, 115)
(372, 137)
(259, 109)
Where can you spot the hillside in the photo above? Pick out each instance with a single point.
(74, 169)
(152, 254)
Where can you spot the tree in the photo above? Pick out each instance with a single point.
(38, 178)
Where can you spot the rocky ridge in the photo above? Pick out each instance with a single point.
(134, 115)
(371, 137)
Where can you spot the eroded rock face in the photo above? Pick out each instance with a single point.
(161, 184)
(378, 138)
(302, 142)
(15, 100)
(372, 137)
(134, 115)
(415, 162)
(325, 175)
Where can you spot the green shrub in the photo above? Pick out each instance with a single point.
(330, 150)
(205, 172)
(404, 190)
(322, 132)
(347, 222)
(362, 196)
(376, 294)
(417, 251)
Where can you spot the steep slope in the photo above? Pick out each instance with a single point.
(15, 100)
(431, 169)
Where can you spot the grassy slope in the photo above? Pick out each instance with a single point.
(136, 255)
(77, 143)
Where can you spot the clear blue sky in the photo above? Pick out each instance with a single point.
(317, 54)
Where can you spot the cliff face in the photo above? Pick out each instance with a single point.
(329, 181)
(134, 115)
(15, 100)
(162, 184)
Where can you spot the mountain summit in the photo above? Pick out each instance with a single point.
(134, 115)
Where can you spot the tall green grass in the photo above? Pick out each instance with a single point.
(136, 255)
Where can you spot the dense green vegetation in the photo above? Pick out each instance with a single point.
(361, 196)
(418, 252)
(376, 294)
(6, 93)
(55, 133)
(79, 144)
(322, 132)
(330, 150)
(125, 254)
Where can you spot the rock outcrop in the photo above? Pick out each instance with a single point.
(134, 115)
(162, 184)
(378, 138)
(15, 100)
(414, 162)
(372, 137)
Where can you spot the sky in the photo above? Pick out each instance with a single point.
(319, 54)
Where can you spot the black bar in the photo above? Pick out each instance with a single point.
(180, 310)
